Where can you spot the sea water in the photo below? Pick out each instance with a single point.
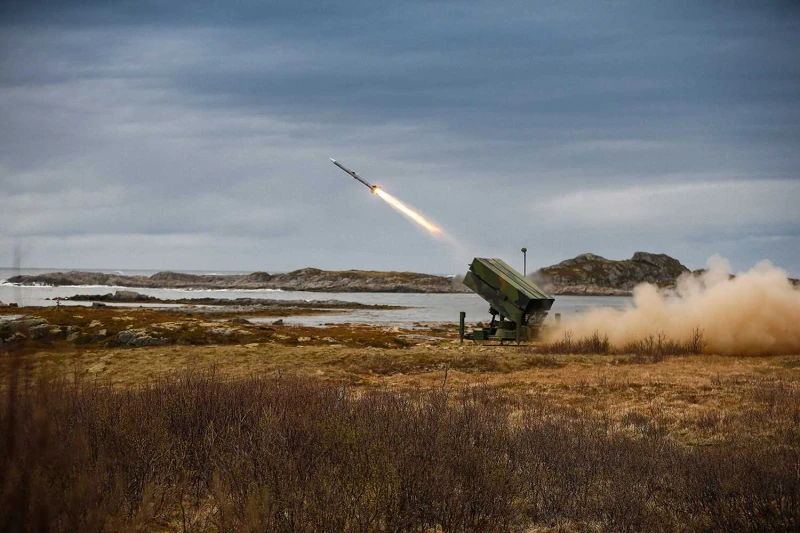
(419, 307)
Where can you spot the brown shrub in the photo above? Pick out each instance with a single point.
(593, 344)
(284, 454)
(651, 348)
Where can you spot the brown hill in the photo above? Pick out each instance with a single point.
(589, 274)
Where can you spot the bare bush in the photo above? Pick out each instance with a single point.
(196, 452)
(594, 344)
(696, 342)
(652, 347)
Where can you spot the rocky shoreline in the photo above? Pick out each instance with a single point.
(306, 279)
(260, 303)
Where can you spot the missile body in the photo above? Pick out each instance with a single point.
(372, 188)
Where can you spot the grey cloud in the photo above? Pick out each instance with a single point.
(215, 123)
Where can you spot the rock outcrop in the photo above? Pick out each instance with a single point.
(35, 329)
(118, 297)
(590, 274)
(138, 337)
(306, 279)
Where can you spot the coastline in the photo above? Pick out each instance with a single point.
(306, 280)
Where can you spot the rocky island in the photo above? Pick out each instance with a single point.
(230, 304)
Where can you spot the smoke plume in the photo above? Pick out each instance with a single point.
(754, 313)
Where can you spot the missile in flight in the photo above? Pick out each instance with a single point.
(372, 188)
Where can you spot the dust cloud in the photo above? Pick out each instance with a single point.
(754, 313)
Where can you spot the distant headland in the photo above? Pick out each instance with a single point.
(585, 274)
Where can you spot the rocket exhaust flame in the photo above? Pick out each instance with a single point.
(391, 200)
(407, 211)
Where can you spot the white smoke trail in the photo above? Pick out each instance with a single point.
(754, 313)
(407, 211)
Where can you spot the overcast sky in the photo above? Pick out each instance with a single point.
(196, 135)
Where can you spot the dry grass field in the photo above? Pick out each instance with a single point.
(225, 425)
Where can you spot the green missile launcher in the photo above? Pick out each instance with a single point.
(519, 303)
